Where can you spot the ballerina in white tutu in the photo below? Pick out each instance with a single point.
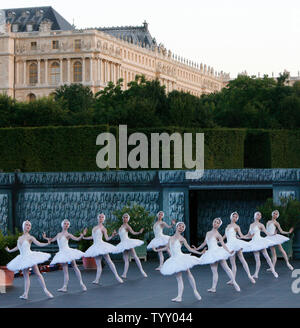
(179, 262)
(259, 244)
(101, 248)
(237, 245)
(216, 254)
(67, 254)
(272, 226)
(127, 245)
(28, 259)
(160, 239)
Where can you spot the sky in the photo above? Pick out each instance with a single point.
(257, 36)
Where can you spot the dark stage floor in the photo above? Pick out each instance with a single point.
(156, 291)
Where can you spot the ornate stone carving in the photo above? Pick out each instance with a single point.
(176, 206)
(46, 210)
(7, 179)
(45, 25)
(4, 213)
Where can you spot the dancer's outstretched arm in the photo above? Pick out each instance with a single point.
(220, 239)
(75, 238)
(249, 234)
(201, 246)
(106, 235)
(191, 249)
(239, 231)
(165, 225)
(36, 242)
(86, 238)
(51, 240)
(11, 250)
(133, 232)
(262, 228)
(281, 231)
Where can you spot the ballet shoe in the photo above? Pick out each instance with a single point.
(255, 276)
(197, 295)
(124, 277)
(83, 286)
(212, 290)
(252, 280)
(48, 293)
(237, 287)
(96, 282)
(120, 280)
(290, 266)
(229, 282)
(275, 274)
(177, 299)
(23, 297)
(63, 290)
(158, 268)
(144, 274)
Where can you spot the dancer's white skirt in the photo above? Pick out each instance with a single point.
(237, 245)
(102, 248)
(128, 244)
(214, 255)
(278, 239)
(256, 245)
(158, 242)
(178, 263)
(67, 255)
(22, 262)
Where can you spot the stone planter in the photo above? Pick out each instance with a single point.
(6, 277)
(89, 263)
(296, 245)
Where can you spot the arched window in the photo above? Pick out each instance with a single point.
(77, 76)
(55, 73)
(33, 73)
(31, 97)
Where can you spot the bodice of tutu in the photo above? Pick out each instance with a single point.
(123, 233)
(158, 231)
(212, 243)
(256, 232)
(230, 234)
(24, 248)
(271, 228)
(175, 248)
(97, 236)
(62, 243)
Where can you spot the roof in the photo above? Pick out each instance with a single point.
(34, 16)
(133, 34)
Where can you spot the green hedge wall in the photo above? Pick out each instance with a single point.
(53, 149)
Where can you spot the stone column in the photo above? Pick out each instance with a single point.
(83, 70)
(61, 71)
(17, 73)
(24, 72)
(105, 71)
(46, 71)
(99, 70)
(39, 72)
(69, 71)
(91, 69)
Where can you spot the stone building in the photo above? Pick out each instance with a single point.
(40, 50)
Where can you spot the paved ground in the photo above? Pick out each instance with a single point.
(156, 291)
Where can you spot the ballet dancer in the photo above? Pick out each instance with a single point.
(101, 248)
(127, 245)
(259, 244)
(160, 240)
(28, 259)
(67, 254)
(179, 262)
(272, 226)
(216, 254)
(237, 245)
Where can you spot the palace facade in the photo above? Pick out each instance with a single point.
(40, 50)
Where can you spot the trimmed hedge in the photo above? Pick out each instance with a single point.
(54, 149)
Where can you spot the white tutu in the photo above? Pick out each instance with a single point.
(127, 244)
(258, 242)
(214, 255)
(158, 242)
(278, 239)
(237, 245)
(178, 263)
(65, 253)
(28, 260)
(101, 248)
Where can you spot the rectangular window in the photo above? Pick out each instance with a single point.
(55, 45)
(15, 28)
(77, 45)
(33, 45)
(29, 28)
